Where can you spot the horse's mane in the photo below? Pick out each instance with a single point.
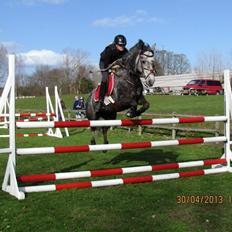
(129, 58)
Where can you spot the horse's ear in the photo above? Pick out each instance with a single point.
(141, 43)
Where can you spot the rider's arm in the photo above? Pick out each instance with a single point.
(106, 57)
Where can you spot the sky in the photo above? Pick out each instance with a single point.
(40, 30)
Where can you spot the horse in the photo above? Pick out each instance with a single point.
(138, 63)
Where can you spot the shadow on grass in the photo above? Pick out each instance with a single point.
(76, 131)
(75, 167)
(151, 157)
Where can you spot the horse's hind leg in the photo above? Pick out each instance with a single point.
(104, 131)
(93, 140)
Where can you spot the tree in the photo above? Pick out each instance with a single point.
(20, 76)
(3, 62)
(94, 75)
(85, 85)
(73, 60)
(211, 62)
(172, 63)
(158, 68)
(45, 76)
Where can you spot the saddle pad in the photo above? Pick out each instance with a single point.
(110, 84)
(110, 88)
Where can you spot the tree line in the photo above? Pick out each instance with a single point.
(74, 75)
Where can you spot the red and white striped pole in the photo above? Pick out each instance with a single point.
(42, 114)
(117, 146)
(32, 135)
(120, 181)
(123, 122)
(117, 171)
(34, 119)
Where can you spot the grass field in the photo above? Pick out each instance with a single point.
(139, 207)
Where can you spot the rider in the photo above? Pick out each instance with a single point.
(111, 53)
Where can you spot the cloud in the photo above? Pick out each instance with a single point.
(11, 46)
(140, 16)
(42, 57)
(35, 2)
(112, 22)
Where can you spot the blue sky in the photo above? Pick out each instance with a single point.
(46, 27)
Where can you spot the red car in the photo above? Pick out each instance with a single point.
(203, 87)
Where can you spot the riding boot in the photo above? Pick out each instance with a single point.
(101, 97)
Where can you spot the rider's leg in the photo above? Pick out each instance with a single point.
(102, 91)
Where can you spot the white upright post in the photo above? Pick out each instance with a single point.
(10, 184)
(50, 109)
(59, 109)
(12, 107)
(227, 109)
(5, 121)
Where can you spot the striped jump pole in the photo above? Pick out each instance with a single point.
(32, 135)
(120, 181)
(123, 122)
(117, 146)
(26, 135)
(42, 114)
(34, 119)
(4, 136)
(117, 171)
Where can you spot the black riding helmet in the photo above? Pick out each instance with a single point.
(120, 40)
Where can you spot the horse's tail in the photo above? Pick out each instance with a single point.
(89, 107)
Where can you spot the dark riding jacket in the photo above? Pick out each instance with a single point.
(110, 54)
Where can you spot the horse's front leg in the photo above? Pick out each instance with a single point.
(145, 105)
(132, 112)
(93, 140)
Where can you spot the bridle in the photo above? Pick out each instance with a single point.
(139, 61)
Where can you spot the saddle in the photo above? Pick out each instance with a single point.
(110, 88)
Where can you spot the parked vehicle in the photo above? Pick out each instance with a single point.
(203, 87)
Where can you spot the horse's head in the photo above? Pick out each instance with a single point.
(145, 63)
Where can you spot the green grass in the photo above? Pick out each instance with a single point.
(140, 207)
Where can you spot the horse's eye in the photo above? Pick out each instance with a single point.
(143, 62)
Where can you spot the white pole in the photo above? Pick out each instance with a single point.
(10, 184)
(5, 92)
(48, 103)
(12, 108)
(59, 109)
(227, 110)
(56, 103)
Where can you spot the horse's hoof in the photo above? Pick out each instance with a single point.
(106, 142)
(130, 115)
(137, 114)
(93, 142)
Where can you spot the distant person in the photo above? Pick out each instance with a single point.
(79, 105)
